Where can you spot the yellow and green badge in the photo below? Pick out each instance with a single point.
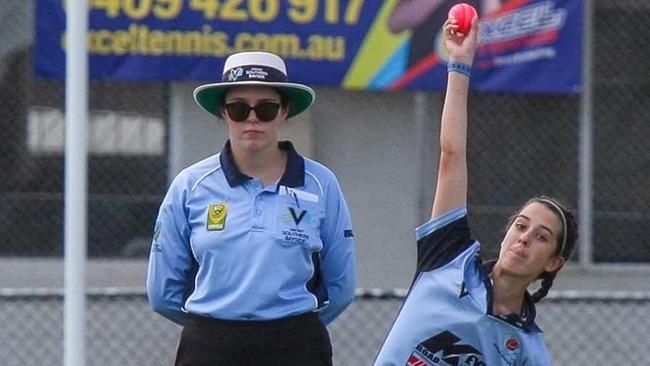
(217, 213)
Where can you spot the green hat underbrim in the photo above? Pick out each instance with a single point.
(210, 96)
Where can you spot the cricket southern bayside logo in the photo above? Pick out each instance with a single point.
(295, 234)
(444, 349)
(296, 216)
(235, 74)
(217, 213)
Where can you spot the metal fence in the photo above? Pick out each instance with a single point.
(129, 154)
(127, 163)
(581, 328)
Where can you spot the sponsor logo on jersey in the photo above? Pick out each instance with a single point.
(217, 213)
(445, 349)
(417, 360)
(296, 216)
(295, 234)
(511, 343)
(510, 348)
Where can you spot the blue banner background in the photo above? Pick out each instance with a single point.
(536, 60)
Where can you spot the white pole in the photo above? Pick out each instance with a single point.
(426, 109)
(76, 159)
(424, 158)
(586, 157)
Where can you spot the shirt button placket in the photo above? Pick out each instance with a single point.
(258, 223)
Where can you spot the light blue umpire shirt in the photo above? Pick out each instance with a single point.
(226, 247)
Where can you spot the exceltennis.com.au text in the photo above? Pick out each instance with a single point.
(141, 40)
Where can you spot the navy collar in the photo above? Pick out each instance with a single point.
(294, 173)
(527, 322)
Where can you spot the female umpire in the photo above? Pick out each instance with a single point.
(458, 310)
(253, 251)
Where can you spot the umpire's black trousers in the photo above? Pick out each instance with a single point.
(299, 340)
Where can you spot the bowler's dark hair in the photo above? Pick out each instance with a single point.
(568, 235)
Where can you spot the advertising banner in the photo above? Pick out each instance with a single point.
(525, 45)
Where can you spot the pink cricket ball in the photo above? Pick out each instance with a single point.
(464, 14)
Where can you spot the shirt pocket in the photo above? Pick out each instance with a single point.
(298, 223)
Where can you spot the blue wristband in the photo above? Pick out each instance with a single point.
(460, 67)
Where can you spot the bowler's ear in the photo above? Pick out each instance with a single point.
(554, 264)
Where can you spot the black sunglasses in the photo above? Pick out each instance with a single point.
(265, 111)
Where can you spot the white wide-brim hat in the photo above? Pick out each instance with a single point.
(254, 68)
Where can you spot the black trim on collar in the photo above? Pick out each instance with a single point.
(233, 175)
(294, 173)
(528, 323)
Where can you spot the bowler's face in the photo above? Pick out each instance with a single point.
(530, 245)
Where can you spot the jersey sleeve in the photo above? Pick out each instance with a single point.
(338, 255)
(442, 239)
(171, 263)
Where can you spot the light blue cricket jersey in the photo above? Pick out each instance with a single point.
(447, 318)
(226, 247)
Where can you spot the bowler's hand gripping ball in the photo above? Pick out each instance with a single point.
(464, 14)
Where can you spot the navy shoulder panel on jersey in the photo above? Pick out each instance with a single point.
(442, 239)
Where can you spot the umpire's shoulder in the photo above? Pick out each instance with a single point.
(189, 176)
(319, 172)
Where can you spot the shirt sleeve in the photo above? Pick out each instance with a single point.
(337, 258)
(442, 239)
(170, 274)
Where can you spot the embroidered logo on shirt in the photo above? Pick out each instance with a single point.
(235, 74)
(444, 349)
(217, 213)
(512, 346)
(156, 233)
(297, 216)
(296, 236)
(509, 349)
(295, 233)
(417, 360)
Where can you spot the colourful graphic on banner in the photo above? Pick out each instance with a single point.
(526, 45)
